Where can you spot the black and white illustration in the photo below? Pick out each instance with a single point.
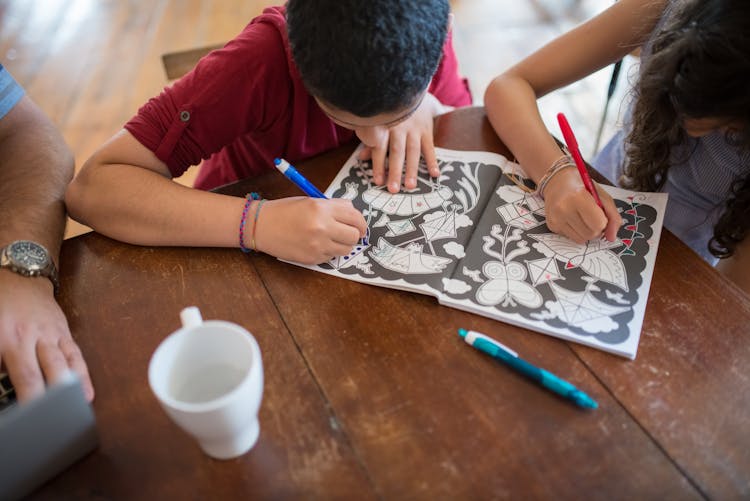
(478, 242)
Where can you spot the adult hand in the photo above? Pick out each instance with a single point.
(573, 212)
(35, 341)
(403, 143)
(308, 230)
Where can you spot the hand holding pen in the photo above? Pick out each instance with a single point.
(570, 141)
(312, 229)
(579, 214)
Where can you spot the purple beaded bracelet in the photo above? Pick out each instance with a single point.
(249, 199)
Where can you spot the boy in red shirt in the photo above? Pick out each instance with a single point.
(295, 83)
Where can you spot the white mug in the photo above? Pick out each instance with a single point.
(208, 377)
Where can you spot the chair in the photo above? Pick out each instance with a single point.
(177, 64)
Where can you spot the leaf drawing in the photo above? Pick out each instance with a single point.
(594, 257)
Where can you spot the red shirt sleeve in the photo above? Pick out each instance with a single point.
(447, 84)
(232, 91)
(245, 87)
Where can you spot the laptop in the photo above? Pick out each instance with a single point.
(41, 438)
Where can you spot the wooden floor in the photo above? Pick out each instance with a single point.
(91, 63)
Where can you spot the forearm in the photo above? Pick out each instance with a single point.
(511, 98)
(139, 206)
(511, 108)
(591, 46)
(35, 167)
(125, 192)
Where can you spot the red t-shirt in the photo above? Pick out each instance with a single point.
(245, 104)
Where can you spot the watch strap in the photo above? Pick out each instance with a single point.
(49, 271)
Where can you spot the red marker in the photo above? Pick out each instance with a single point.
(570, 140)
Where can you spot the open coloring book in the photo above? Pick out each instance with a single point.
(479, 243)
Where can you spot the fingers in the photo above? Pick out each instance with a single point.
(24, 371)
(413, 153)
(340, 250)
(430, 158)
(411, 146)
(74, 360)
(575, 228)
(578, 217)
(365, 153)
(51, 360)
(396, 148)
(614, 220)
(589, 220)
(310, 230)
(573, 233)
(349, 226)
(599, 221)
(351, 217)
(345, 234)
(378, 163)
(41, 352)
(29, 370)
(403, 143)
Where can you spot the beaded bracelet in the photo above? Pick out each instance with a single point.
(249, 198)
(517, 179)
(255, 224)
(561, 163)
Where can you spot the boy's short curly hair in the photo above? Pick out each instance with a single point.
(367, 57)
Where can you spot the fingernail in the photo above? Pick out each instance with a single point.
(411, 181)
(393, 187)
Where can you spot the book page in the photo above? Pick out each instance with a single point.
(478, 242)
(416, 237)
(518, 271)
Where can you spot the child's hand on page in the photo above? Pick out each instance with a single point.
(308, 230)
(403, 143)
(572, 211)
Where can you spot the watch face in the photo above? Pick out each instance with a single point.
(28, 255)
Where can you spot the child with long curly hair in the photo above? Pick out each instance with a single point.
(687, 132)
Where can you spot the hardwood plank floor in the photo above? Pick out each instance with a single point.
(91, 63)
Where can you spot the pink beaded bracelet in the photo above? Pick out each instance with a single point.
(561, 163)
(249, 199)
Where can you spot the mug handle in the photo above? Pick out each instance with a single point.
(191, 316)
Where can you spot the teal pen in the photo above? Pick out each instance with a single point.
(509, 357)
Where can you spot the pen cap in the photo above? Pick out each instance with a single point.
(567, 132)
(281, 164)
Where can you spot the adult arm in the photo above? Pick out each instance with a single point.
(511, 107)
(35, 166)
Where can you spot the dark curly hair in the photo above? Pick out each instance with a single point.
(367, 56)
(699, 68)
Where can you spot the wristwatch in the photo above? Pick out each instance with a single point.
(29, 259)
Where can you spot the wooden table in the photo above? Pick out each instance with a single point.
(370, 393)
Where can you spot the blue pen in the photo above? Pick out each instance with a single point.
(509, 357)
(301, 181)
(294, 176)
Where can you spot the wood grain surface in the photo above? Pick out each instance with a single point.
(370, 393)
